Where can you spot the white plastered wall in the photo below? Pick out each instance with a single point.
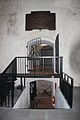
(13, 37)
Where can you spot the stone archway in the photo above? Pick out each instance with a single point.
(42, 48)
(45, 90)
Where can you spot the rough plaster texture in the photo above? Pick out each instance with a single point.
(13, 37)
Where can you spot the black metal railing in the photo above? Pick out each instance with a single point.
(20, 67)
(11, 68)
(39, 66)
(45, 64)
(5, 88)
(66, 86)
(7, 84)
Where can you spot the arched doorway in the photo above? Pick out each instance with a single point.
(41, 94)
(40, 55)
(35, 46)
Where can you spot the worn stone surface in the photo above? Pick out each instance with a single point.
(76, 99)
(26, 114)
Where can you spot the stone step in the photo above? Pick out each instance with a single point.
(39, 114)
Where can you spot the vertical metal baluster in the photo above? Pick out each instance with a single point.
(8, 98)
(12, 92)
(21, 83)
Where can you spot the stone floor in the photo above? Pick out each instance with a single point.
(76, 98)
(28, 114)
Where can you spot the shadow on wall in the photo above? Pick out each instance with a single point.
(75, 58)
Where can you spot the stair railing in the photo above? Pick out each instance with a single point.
(45, 63)
(66, 86)
(7, 78)
(19, 67)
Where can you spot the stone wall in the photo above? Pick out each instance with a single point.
(13, 37)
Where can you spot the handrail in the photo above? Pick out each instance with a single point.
(56, 62)
(9, 65)
(7, 82)
(46, 57)
(67, 75)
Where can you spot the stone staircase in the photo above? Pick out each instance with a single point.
(44, 114)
